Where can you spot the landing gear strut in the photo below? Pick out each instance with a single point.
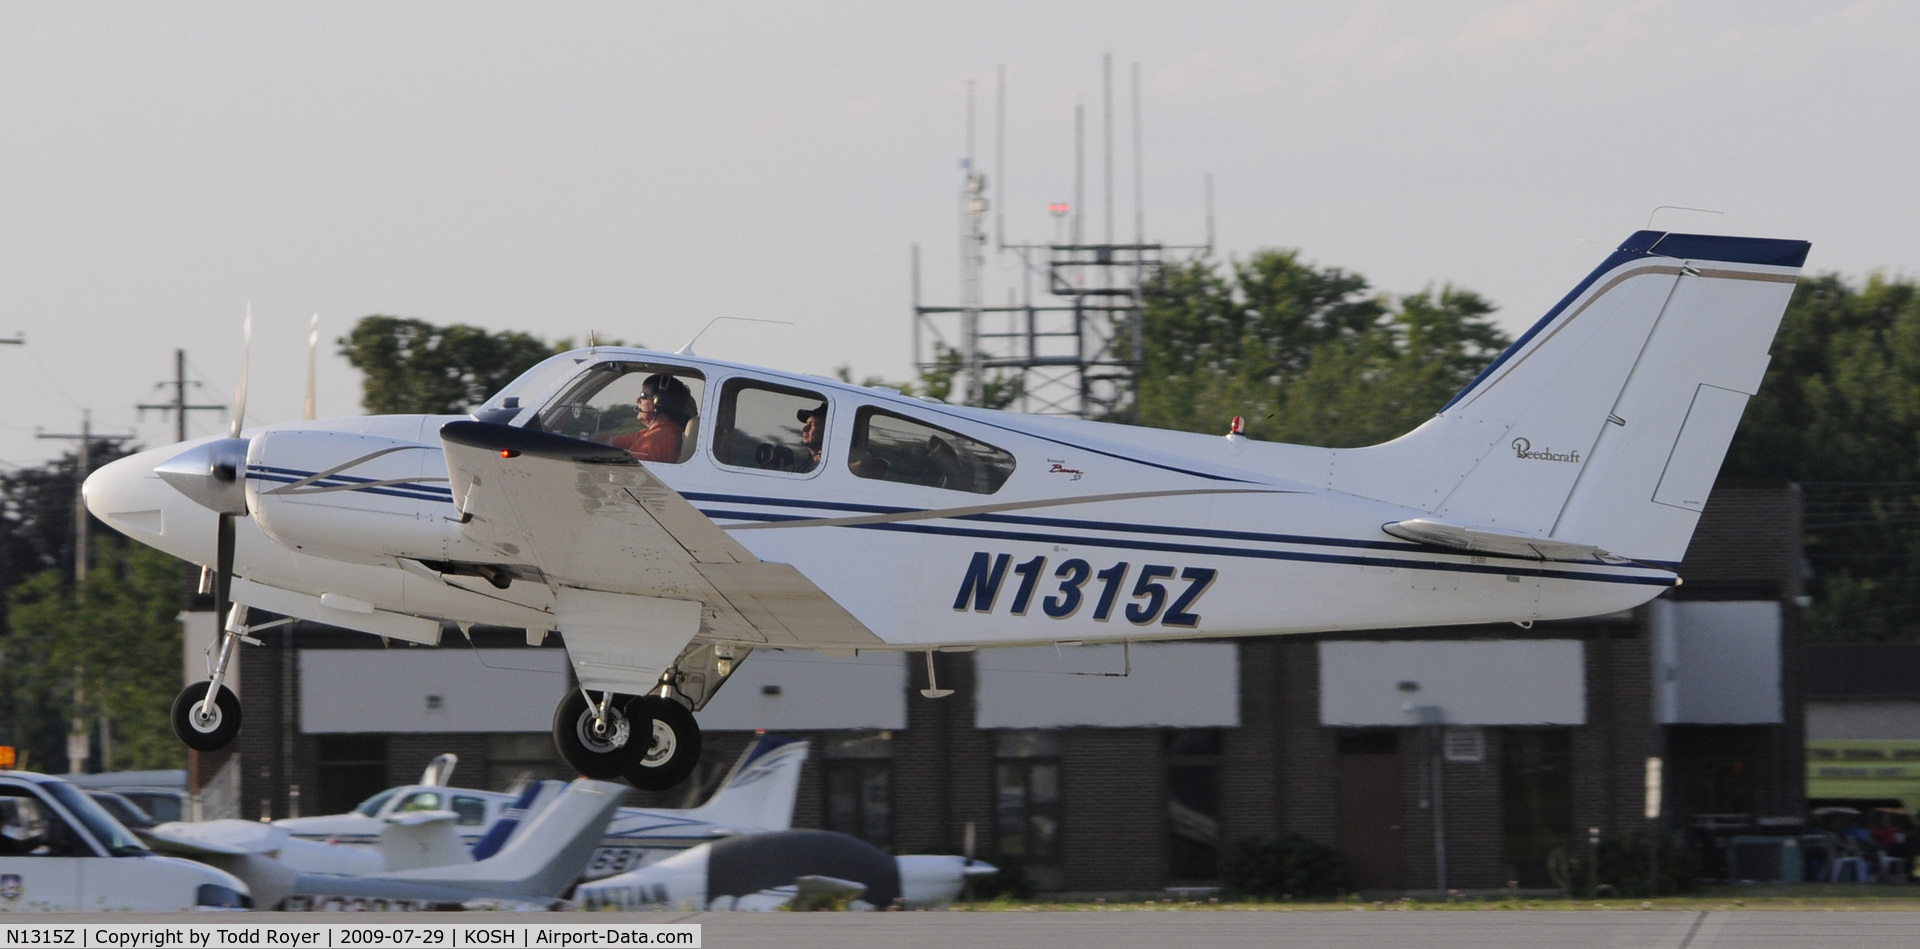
(206, 715)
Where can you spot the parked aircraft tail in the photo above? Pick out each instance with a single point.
(540, 861)
(533, 798)
(1599, 433)
(760, 790)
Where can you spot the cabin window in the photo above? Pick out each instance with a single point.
(652, 411)
(769, 427)
(471, 810)
(889, 447)
(419, 801)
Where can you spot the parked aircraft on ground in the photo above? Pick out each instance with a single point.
(774, 871)
(776, 510)
(60, 852)
(527, 869)
(756, 796)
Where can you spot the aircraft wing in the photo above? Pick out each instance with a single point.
(590, 517)
(215, 837)
(1481, 540)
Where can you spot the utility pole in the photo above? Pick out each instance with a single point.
(86, 437)
(179, 406)
(77, 735)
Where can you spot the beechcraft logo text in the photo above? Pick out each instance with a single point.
(1523, 450)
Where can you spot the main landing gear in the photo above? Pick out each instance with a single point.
(651, 740)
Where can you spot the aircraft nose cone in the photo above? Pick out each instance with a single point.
(212, 473)
(126, 495)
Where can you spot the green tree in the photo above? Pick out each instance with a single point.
(1304, 354)
(412, 366)
(120, 634)
(1839, 412)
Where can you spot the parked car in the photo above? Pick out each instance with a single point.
(61, 852)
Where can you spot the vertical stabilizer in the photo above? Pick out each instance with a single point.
(759, 793)
(540, 861)
(1604, 425)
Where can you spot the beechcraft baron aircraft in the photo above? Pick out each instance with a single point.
(1564, 481)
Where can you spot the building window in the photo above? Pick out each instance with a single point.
(1026, 783)
(1193, 805)
(514, 758)
(349, 769)
(859, 781)
(1536, 787)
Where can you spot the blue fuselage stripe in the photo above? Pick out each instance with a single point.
(1254, 553)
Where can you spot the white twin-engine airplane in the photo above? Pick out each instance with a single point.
(762, 509)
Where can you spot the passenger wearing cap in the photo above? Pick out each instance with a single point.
(813, 431)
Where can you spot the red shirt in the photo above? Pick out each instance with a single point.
(657, 442)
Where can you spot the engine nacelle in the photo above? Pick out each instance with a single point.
(358, 496)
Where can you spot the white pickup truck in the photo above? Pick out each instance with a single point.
(60, 852)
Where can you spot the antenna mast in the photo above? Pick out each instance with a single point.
(1077, 350)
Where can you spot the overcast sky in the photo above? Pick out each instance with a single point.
(637, 169)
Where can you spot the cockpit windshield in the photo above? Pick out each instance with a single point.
(371, 806)
(531, 388)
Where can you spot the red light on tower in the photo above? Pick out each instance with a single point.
(1059, 208)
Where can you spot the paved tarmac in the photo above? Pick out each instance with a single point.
(1226, 929)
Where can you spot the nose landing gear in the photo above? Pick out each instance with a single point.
(206, 715)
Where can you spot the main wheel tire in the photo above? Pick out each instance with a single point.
(674, 751)
(607, 754)
(212, 731)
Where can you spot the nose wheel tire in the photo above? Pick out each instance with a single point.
(674, 750)
(209, 731)
(599, 750)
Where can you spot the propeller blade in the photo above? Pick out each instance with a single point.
(223, 568)
(313, 348)
(246, 356)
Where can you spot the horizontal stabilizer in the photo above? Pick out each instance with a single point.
(1480, 540)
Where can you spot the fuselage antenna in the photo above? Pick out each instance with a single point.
(687, 350)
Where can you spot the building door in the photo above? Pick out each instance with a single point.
(1370, 803)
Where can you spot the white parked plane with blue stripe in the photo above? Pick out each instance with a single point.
(793, 512)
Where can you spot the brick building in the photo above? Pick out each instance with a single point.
(1465, 752)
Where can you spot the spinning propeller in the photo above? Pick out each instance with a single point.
(213, 474)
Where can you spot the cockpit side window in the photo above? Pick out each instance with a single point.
(770, 427)
(651, 410)
(889, 447)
